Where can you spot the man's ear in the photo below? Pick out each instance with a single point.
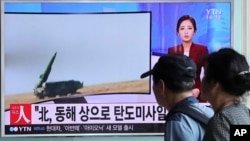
(196, 92)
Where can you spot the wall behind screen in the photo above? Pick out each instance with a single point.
(239, 43)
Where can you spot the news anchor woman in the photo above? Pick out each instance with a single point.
(186, 29)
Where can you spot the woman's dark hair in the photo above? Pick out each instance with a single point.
(230, 69)
(183, 18)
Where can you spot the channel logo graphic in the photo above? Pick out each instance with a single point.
(20, 114)
(16, 129)
(213, 14)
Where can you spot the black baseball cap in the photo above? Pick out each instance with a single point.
(177, 67)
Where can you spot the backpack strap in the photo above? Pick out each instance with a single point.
(194, 112)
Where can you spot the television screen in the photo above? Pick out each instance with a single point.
(73, 68)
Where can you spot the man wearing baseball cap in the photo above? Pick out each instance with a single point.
(173, 82)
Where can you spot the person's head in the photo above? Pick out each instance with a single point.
(226, 71)
(173, 73)
(186, 28)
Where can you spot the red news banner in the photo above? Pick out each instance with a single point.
(85, 118)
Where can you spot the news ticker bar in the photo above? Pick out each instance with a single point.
(239, 132)
(83, 128)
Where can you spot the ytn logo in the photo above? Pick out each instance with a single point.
(20, 129)
(20, 114)
(213, 13)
